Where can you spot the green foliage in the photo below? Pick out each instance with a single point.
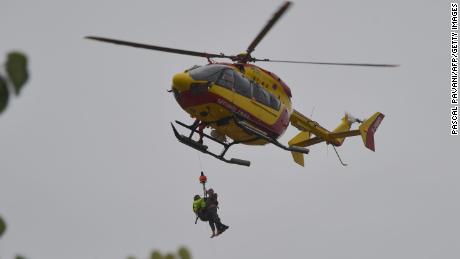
(182, 253)
(4, 95)
(16, 67)
(2, 230)
(2, 226)
(156, 255)
(17, 74)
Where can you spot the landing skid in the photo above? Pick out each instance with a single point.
(198, 145)
(203, 148)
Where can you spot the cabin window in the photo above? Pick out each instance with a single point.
(209, 72)
(227, 79)
(242, 85)
(274, 102)
(262, 96)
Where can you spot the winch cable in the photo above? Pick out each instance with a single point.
(199, 159)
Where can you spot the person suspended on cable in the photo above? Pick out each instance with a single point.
(206, 208)
(199, 207)
(211, 207)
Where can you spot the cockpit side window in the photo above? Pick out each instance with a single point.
(227, 79)
(274, 102)
(260, 94)
(242, 85)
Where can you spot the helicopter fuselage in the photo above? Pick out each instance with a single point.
(216, 94)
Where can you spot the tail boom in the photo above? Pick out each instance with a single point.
(336, 137)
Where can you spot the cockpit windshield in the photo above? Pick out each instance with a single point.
(208, 72)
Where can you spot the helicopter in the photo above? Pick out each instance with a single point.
(245, 104)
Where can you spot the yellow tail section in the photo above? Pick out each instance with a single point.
(309, 127)
(299, 140)
(368, 129)
(344, 126)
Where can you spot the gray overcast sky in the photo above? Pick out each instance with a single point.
(89, 167)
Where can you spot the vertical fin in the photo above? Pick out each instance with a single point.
(368, 129)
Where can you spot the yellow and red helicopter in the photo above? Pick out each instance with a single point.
(246, 104)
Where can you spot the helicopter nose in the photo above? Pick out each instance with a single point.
(182, 81)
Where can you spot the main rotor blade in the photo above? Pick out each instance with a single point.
(159, 48)
(268, 26)
(326, 63)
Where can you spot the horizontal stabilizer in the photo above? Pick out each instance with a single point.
(297, 142)
(298, 158)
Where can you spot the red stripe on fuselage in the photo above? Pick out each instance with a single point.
(187, 99)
